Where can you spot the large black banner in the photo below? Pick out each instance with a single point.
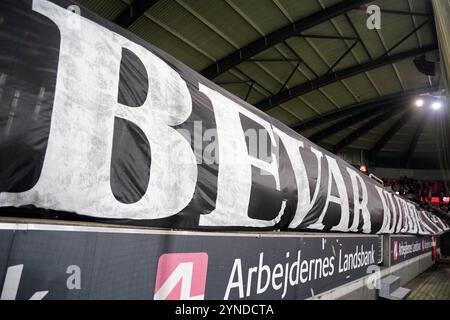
(52, 262)
(97, 124)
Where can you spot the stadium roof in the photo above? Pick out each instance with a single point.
(312, 64)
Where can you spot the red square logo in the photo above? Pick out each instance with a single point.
(181, 276)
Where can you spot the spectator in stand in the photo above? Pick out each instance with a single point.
(414, 189)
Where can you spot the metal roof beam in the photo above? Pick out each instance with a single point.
(349, 21)
(329, 78)
(279, 35)
(250, 87)
(335, 114)
(387, 136)
(299, 58)
(318, 36)
(407, 13)
(136, 9)
(351, 120)
(342, 56)
(273, 60)
(406, 37)
(250, 80)
(289, 77)
(353, 136)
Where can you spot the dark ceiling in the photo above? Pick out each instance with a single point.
(312, 64)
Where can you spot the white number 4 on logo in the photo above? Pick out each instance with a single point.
(189, 269)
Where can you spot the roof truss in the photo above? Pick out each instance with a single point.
(278, 36)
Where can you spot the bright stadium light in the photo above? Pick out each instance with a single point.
(419, 102)
(436, 105)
